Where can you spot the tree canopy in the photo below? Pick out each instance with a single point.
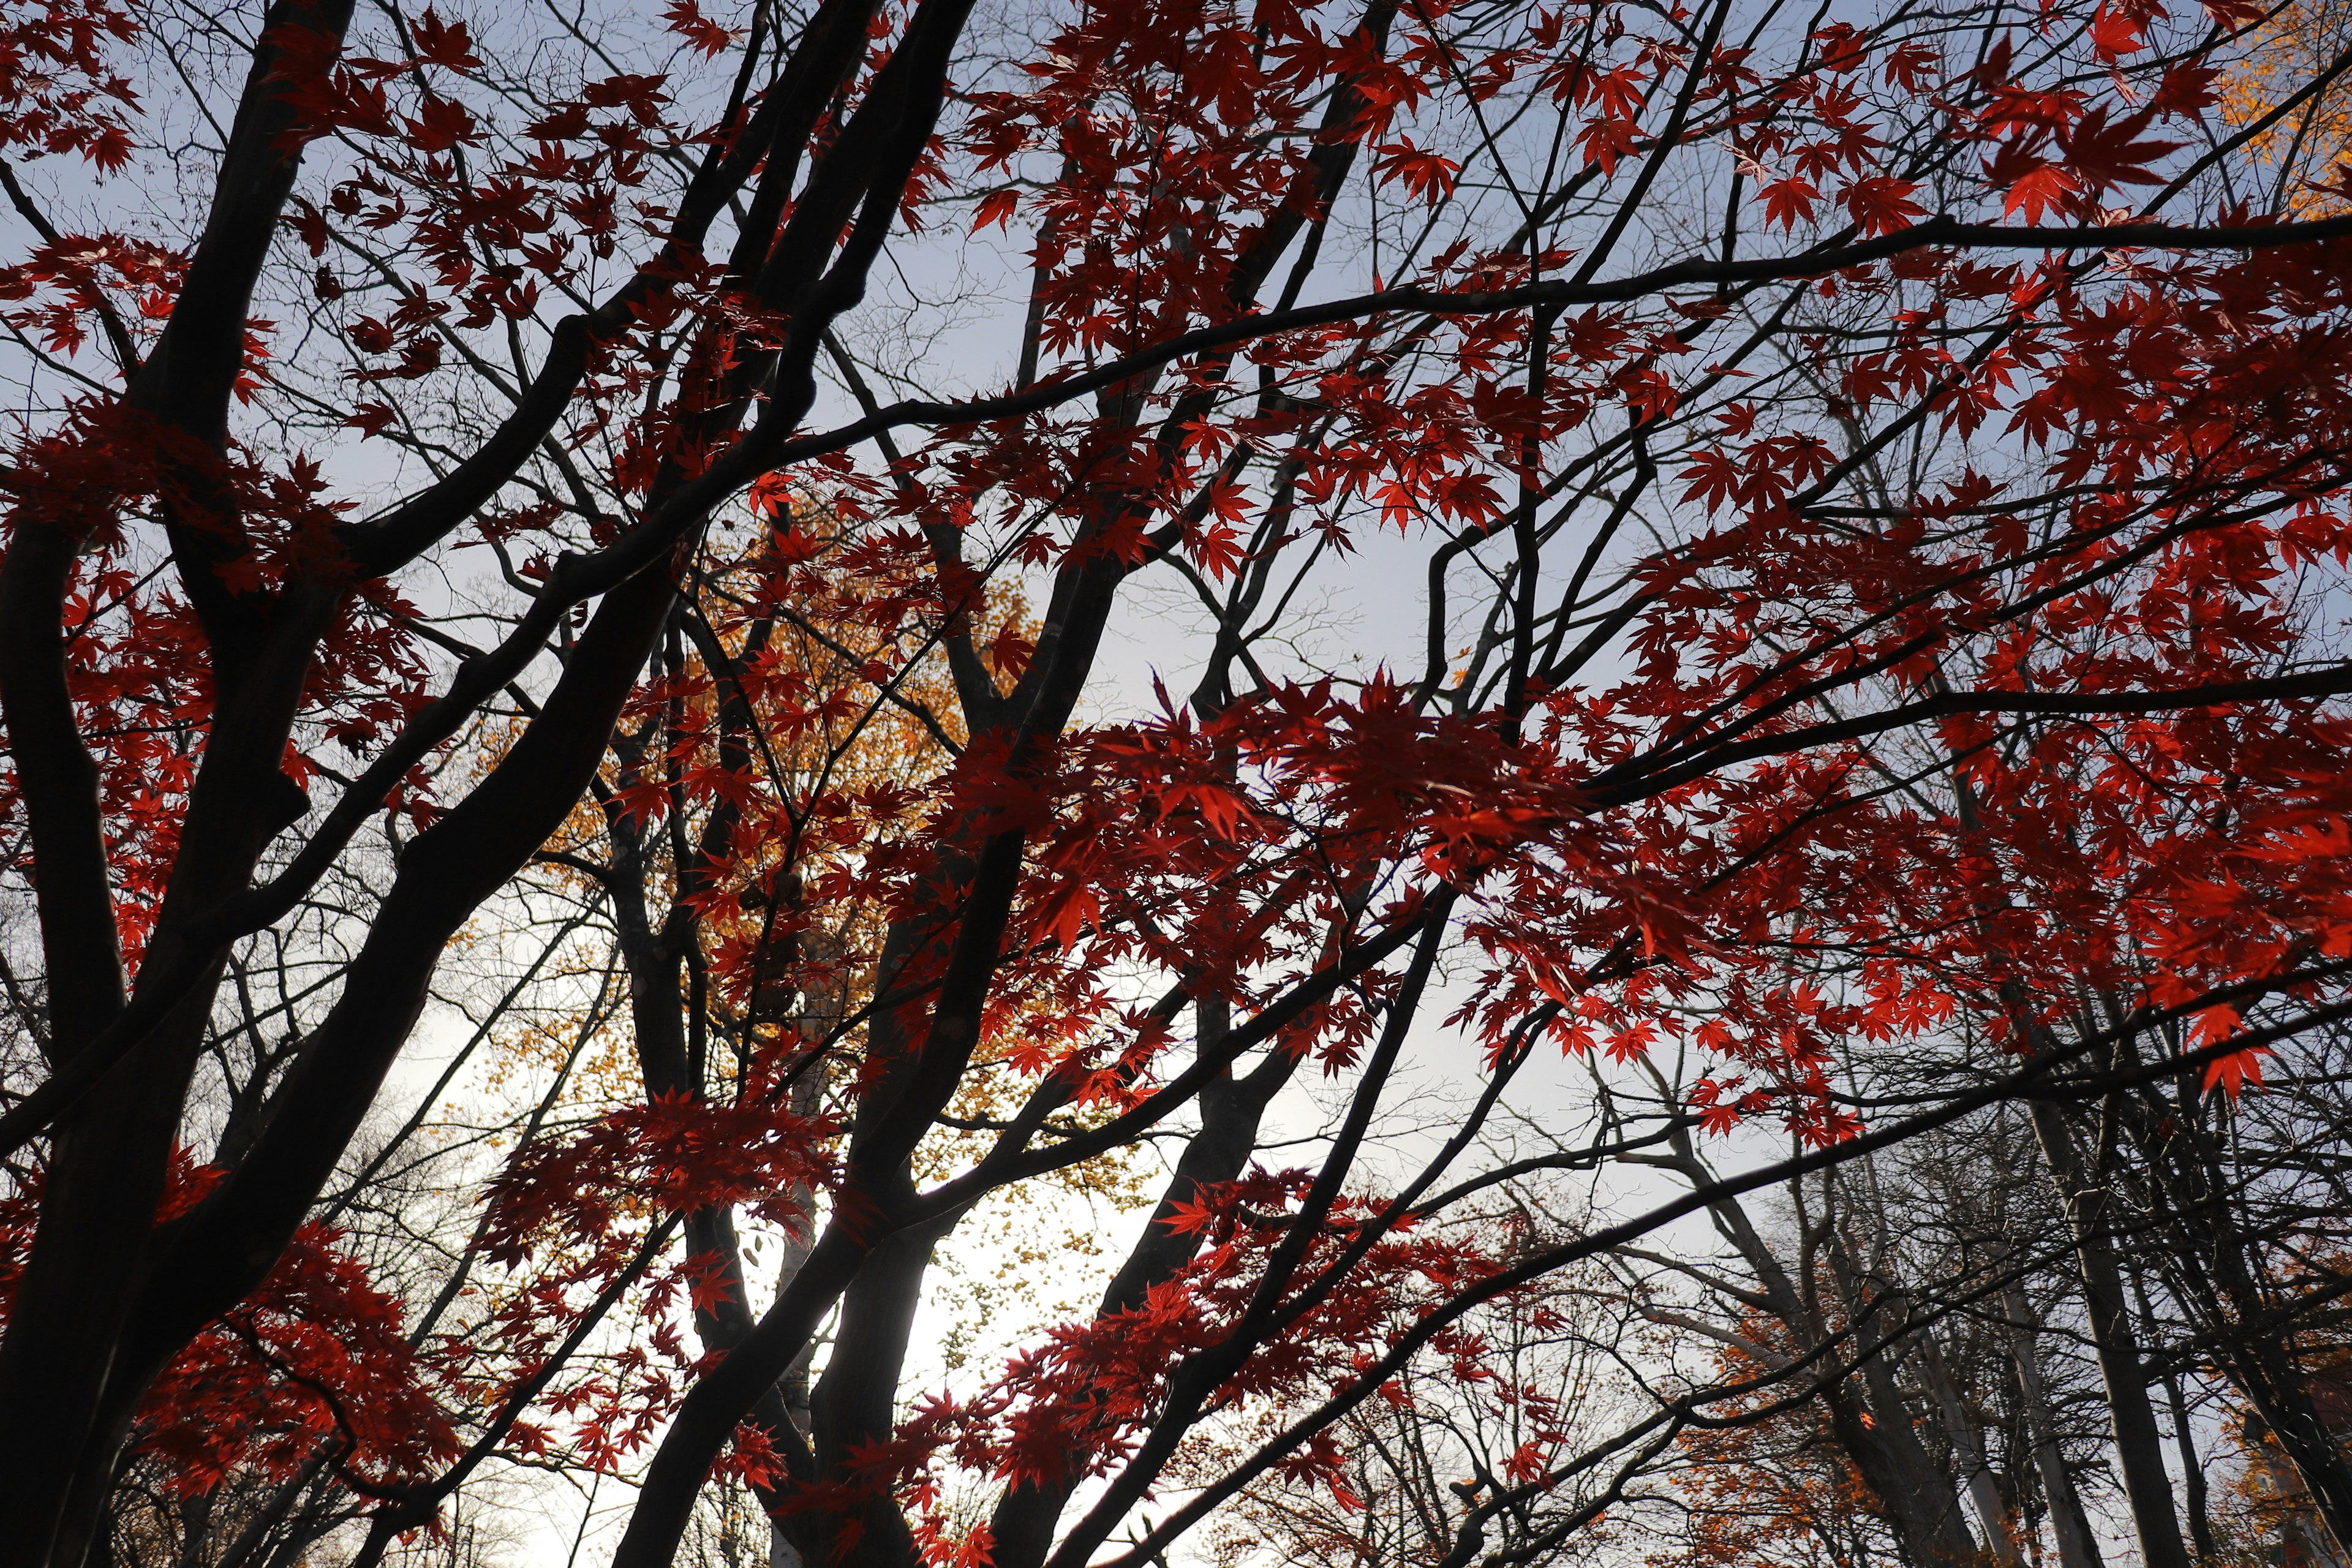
(1616, 731)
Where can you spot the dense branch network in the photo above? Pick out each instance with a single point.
(774, 578)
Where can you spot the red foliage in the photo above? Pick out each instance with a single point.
(316, 1355)
(1792, 750)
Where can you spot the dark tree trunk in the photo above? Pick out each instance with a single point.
(2140, 1446)
(2078, 1547)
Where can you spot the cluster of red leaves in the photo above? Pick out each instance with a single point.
(61, 93)
(64, 288)
(488, 211)
(138, 673)
(670, 1155)
(317, 1354)
(1073, 1406)
(1691, 832)
(60, 90)
(1187, 114)
(602, 1409)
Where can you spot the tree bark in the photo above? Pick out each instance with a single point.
(1871, 1423)
(1022, 1528)
(1968, 1443)
(2218, 1263)
(2192, 1469)
(2140, 1446)
(2078, 1547)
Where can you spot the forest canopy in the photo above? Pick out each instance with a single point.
(1083, 784)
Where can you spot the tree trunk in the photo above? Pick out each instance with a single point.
(819, 1015)
(2140, 1446)
(2069, 1520)
(1021, 1526)
(2192, 1470)
(1968, 1443)
(2249, 1325)
(1919, 1495)
(1914, 1495)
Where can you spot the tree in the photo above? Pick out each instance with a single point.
(1875, 493)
